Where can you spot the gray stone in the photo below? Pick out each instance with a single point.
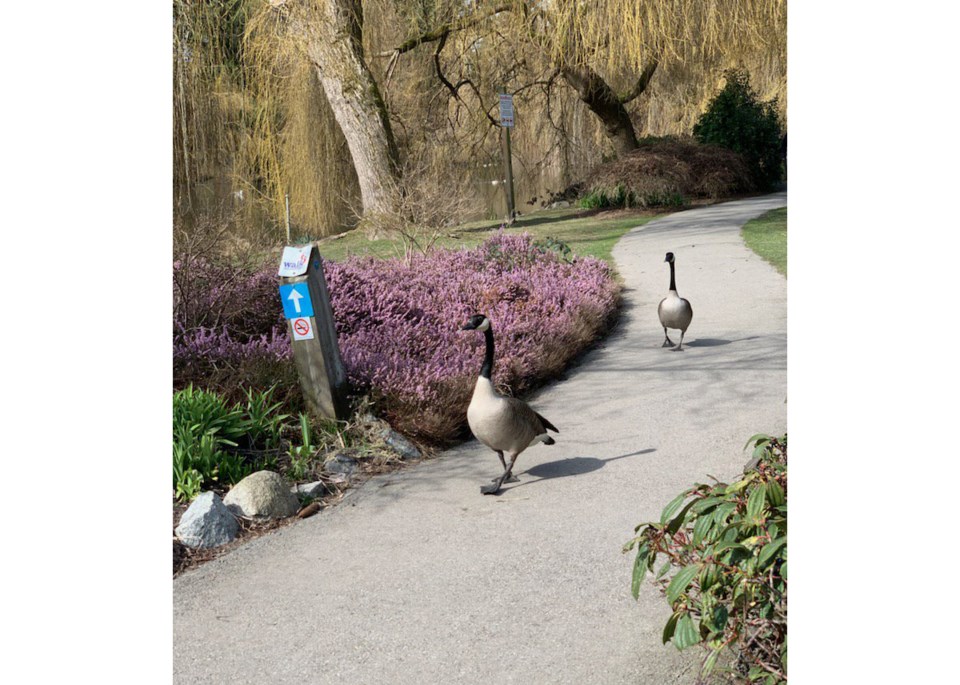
(207, 523)
(370, 420)
(561, 204)
(342, 464)
(263, 494)
(315, 489)
(399, 444)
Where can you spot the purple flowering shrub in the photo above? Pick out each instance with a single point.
(399, 326)
(228, 329)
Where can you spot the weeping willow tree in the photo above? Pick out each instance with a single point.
(609, 51)
(328, 35)
(252, 125)
(330, 100)
(208, 106)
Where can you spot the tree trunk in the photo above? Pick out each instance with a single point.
(335, 46)
(599, 97)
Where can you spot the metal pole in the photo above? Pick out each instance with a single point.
(508, 164)
(511, 203)
(287, 199)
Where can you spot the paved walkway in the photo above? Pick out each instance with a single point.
(417, 578)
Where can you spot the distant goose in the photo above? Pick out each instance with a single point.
(674, 311)
(504, 424)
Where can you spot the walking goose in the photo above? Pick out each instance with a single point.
(674, 311)
(504, 424)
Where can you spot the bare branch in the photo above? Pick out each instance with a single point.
(642, 82)
(440, 32)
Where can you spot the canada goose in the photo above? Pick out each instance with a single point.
(504, 424)
(674, 311)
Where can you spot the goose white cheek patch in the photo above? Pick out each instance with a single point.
(484, 326)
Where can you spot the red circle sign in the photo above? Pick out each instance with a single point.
(301, 326)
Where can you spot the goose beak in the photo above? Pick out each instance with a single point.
(466, 327)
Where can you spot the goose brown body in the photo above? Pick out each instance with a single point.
(504, 424)
(674, 311)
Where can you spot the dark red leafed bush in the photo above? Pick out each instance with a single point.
(398, 325)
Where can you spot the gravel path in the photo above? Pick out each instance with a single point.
(417, 578)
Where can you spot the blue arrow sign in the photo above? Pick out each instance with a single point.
(296, 300)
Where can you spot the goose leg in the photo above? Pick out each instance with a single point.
(667, 341)
(506, 477)
(511, 479)
(680, 346)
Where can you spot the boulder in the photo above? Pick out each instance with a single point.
(399, 444)
(207, 523)
(263, 494)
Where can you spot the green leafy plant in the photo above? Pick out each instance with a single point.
(727, 544)
(603, 198)
(300, 457)
(219, 444)
(265, 423)
(737, 120)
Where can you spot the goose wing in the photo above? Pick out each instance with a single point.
(522, 414)
(547, 424)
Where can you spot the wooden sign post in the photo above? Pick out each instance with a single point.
(306, 305)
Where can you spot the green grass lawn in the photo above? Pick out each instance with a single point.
(767, 236)
(587, 232)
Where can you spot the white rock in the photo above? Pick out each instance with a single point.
(315, 489)
(207, 523)
(263, 494)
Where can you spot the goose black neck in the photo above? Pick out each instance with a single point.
(487, 367)
(673, 280)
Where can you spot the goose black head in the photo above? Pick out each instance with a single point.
(669, 257)
(477, 322)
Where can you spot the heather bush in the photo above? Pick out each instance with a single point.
(228, 329)
(398, 324)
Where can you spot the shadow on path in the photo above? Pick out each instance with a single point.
(574, 466)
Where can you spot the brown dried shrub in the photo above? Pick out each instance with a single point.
(668, 171)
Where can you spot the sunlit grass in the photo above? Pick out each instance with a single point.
(767, 236)
(587, 233)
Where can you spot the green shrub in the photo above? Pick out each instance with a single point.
(728, 545)
(219, 444)
(737, 120)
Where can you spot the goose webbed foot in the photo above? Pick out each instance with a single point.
(667, 343)
(512, 479)
(506, 477)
